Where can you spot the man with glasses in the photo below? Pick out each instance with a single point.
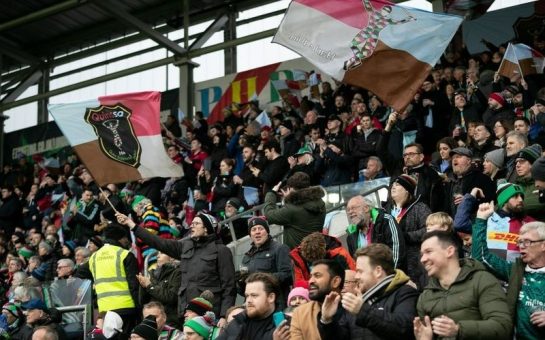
(65, 268)
(526, 274)
(463, 113)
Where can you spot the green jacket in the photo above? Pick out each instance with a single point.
(303, 213)
(475, 301)
(513, 272)
(532, 206)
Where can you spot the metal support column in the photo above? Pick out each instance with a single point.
(186, 89)
(43, 87)
(230, 33)
(2, 119)
(438, 6)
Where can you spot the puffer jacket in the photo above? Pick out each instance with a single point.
(334, 251)
(206, 264)
(387, 314)
(475, 301)
(303, 213)
(413, 226)
(165, 282)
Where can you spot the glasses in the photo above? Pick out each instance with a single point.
(59, 267)
(527, 243)
(411, 154)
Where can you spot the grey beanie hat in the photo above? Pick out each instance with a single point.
(496, 157)
(538, 169)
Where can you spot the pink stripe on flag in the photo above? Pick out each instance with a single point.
(350, 12)
(145, 110)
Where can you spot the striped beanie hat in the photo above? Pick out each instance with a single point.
(202, 325)
(199, 305)
(209, 221)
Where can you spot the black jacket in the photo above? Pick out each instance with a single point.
(336, 168)
(289, 144)
(387, 314)
(274, 172)
(429, 186)
(236, 330)
(11, 214)
(165, 282)
(385, 231)
(463, 185)
(480, 150)
(206, 264)
(272, 257)
(362, 147)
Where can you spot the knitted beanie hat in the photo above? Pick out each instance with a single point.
(408, 182)
(496, 157)
(147, 329)
(234, 202)
(13, 309)
(209, 222)
(538, 169)
(199, 306)
(258, 220)
(497, 97)
(506, 191)
(530, 153)
(202, 325)
(298, 291)
(137, 199)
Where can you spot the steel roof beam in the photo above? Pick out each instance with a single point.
(119, 12)
(214, 27)
(33, 76)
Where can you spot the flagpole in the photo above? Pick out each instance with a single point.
(518, 63)
(108, 200)
(503, 59)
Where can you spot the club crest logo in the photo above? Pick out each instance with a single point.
(115, 134)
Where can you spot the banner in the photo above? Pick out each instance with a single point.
(117, 137)
(385, 48)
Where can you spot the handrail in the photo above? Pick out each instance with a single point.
(87, 314)
(368, 192)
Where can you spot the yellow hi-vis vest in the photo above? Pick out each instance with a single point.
(111, 285)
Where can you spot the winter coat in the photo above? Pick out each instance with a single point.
(165, 282)
(224, 188)
(334, 251)
(514, 273)
(463, 185)
(429, 185)
(490, 117)
(289, 145)
(363, 145)
(272, 257)
(303, 213)
(413, 226)
(532, 206)
(235, 330)
(384, 230)
(83, 222)
(388, 313)
(470, 114)
(336, 168)
(475, 301)
(273, 172)
(11, 214)
(206, 264)
(480, 150)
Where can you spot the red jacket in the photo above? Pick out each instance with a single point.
(334, 251)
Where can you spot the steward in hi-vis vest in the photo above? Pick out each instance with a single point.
(113, 270)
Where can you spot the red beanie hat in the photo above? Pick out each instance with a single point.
(497, 97)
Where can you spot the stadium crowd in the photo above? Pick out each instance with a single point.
(456, 252)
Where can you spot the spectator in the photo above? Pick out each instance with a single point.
(45, 333)
(65, 268)
(157, 310)
(152, 219)
(444, 163)
(315, 247)
(464, 178)
(85, 214)
(256, 322)
(326, 282)
(334, 162)
(516, 141)
(15, 320)
(350, 283)
(204, 262)
(493, 164)
(442, 221)
(410, 214)
(525, 283)
(303, 211)
(267, 256)
(275, 169)
(234, 206)
(525, 158)
(304, 161)
(146, 330)
(482, 141)
(162, 284)
(199, 328)
(82, 255)
(373, 170)
(199, 306)
(372, 225)
(497, 110)
(10, 210)
(388, 304)
(463, 113)
(288, 143)
(364, 140)
(501, 128)
(476, 308)
(298, 296)
(246, 177)
(223, 186)
(48, 260)
(37, 314)
(103, 268)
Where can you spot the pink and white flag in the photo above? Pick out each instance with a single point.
(380, 46)
(117, 137)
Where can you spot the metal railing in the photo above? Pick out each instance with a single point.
(87, 320)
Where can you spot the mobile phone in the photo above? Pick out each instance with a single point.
(278, 317)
